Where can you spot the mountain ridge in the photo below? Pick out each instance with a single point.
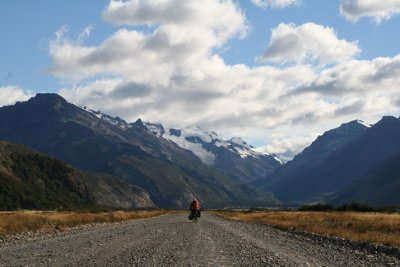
(171, 175)
(338, 169)
(176, 165)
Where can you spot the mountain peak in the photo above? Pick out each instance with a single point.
(332, 140)
(355, 123)
(45, 102)
(388, 119)
(139, 122)
(352, 128)
(47, 98)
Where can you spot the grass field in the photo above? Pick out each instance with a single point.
(25, 221)
(381, 228)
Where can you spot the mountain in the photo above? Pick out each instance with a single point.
(328, 165)
(30, 180)
(380, 188)
(96, 142)
(331, 140)
(234, 157)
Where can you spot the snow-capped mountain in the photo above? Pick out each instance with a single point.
(234, 156)
(131, 152)
(195, 140)
(334, 161)
(198, 141)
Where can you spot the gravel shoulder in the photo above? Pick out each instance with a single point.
(173, 240)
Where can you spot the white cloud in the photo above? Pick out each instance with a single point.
(308, 42)
(359, 77)
(85, 33)
(288, 146)
(379, 10)
(275, 3)
(9, 95)
(358, 89)
(60, 34)
(217, 19)
(177, 44)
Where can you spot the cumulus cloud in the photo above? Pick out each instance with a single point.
(178, 43)
(238, 97)
(217, 20)
(275, 3)
(358, 77)
(353, 10)
(308, 42)
(9, 95)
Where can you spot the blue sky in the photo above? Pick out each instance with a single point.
(27, 28)
(214, 63)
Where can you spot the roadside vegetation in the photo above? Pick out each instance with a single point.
(375, 227)
(15, 222)
(354, 206)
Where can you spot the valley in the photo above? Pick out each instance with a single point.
(104, 161)
(172, 240)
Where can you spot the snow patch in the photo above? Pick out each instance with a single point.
(364, 123)
(194, 139)
(239, 142)
(244, 150)
(278, 159)
(116, 121)
(221, 143)
(154, 128)
(205, 156)
(193, 131)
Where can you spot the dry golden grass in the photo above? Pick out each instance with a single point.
(25, 221)
(378, 228)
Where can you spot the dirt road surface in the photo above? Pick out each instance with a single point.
(173, 240)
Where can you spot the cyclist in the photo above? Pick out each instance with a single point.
(195, 208)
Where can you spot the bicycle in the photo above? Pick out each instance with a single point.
(194, 216)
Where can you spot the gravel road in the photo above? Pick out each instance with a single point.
(172, 240)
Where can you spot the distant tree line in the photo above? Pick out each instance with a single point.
(353, 206)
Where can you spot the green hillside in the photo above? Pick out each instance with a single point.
(29, 180)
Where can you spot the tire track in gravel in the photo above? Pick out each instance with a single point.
(173, 240)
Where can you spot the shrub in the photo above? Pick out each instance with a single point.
(316, 207)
